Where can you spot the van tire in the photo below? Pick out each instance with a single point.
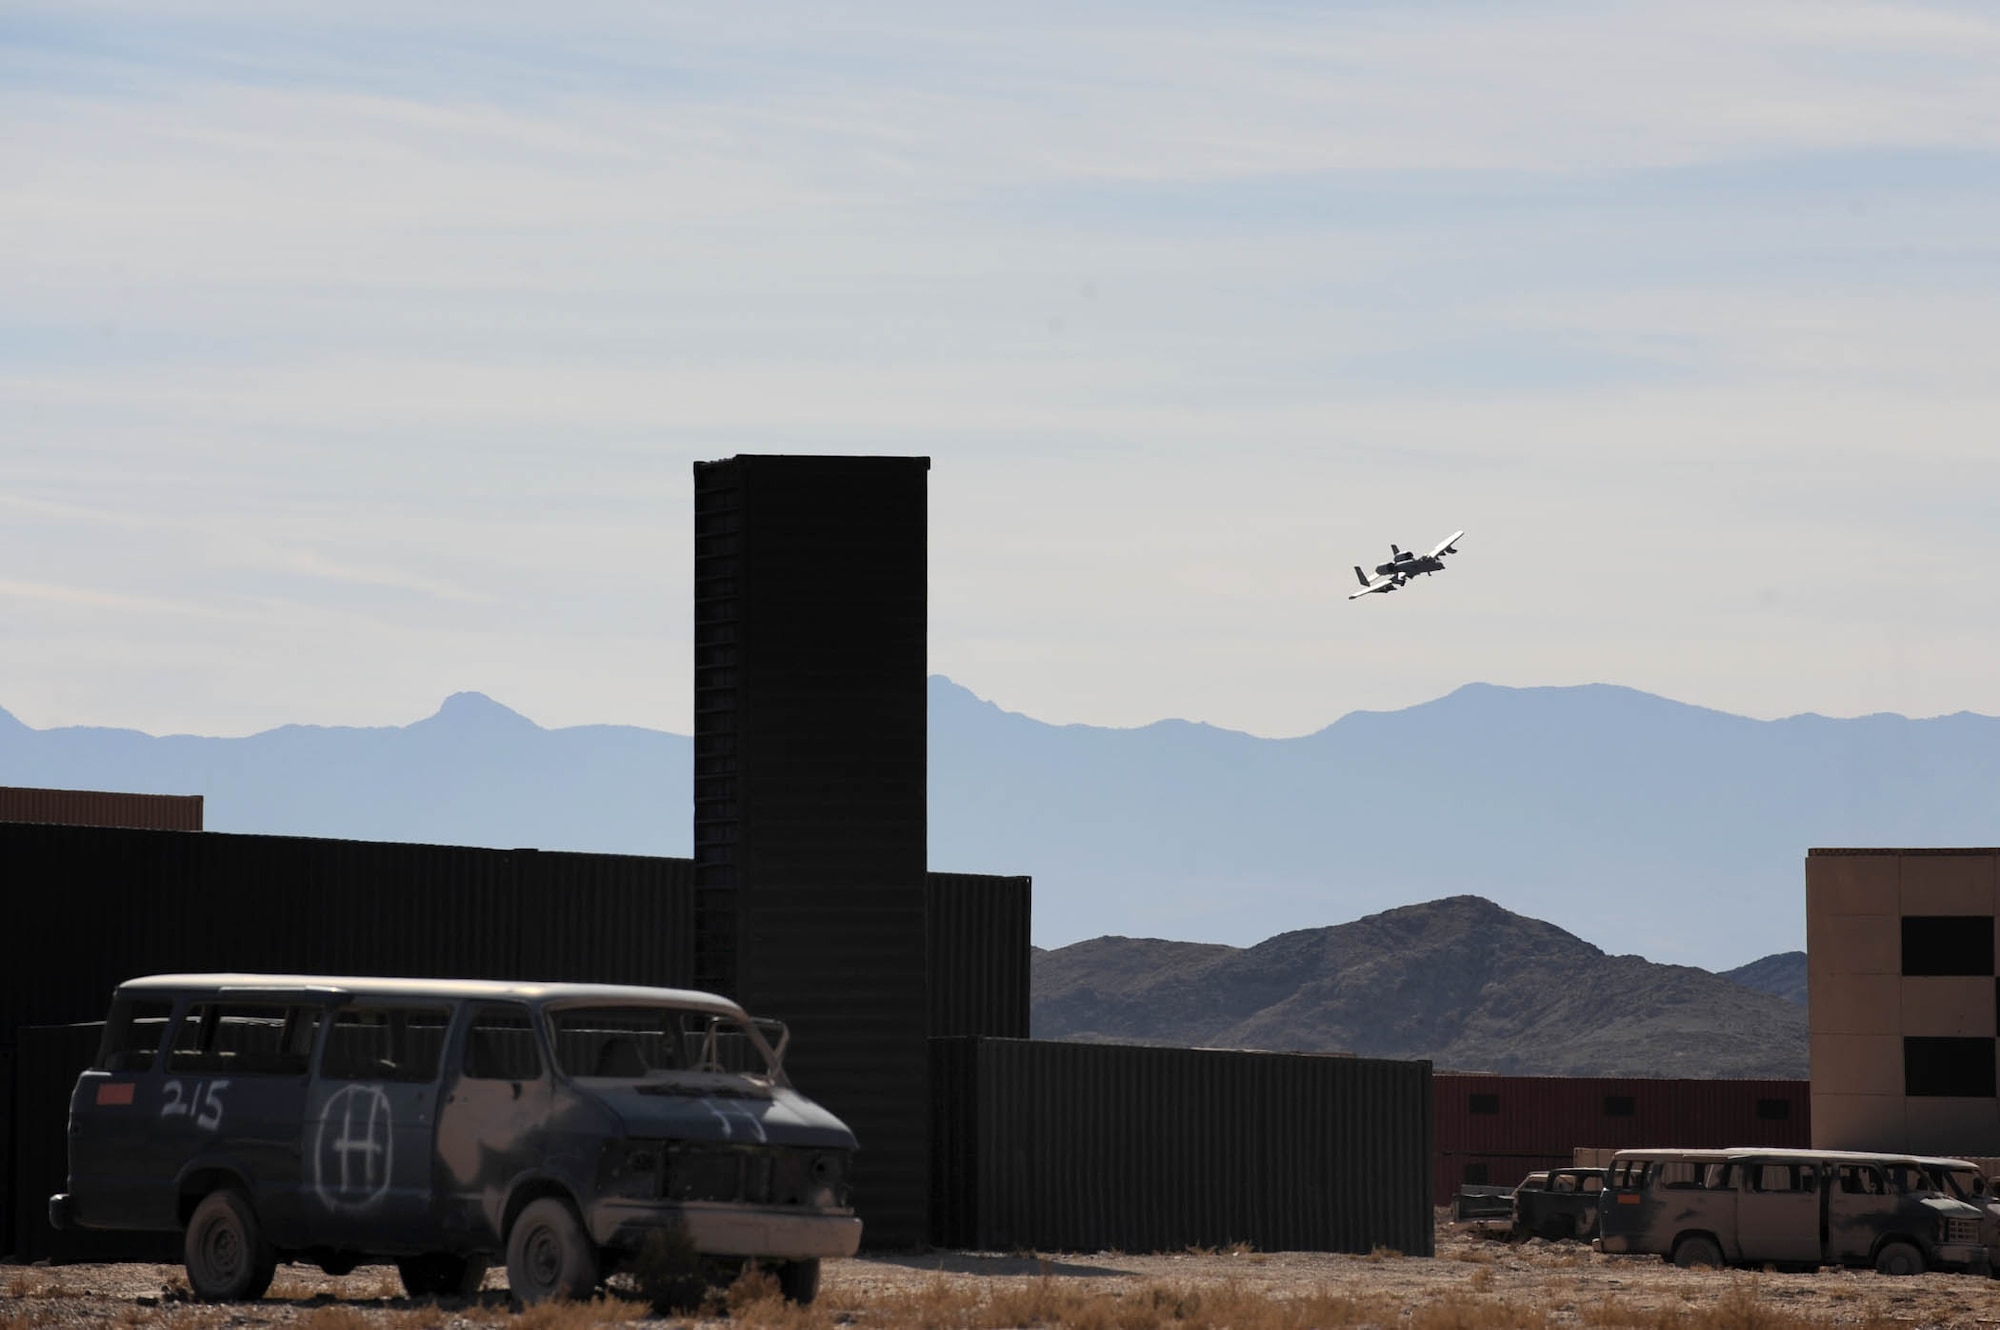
(224, 1250)
(1899, 1258)
(548, 1256)
(799, 1281)
(1697, 1250)
(437, 1274)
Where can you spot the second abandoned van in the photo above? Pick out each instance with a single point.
(1791, 1207)
(441, 1123)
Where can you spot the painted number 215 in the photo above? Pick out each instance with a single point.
(204, 1105)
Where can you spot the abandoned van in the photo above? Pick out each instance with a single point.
(444, 1123)
(1789, 1207)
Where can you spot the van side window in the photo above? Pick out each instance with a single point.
(500, 1046)
(384, 1044)
(1681, 1174)
(1907, 1178)
(1719, 1177)
(1861, 1180)
(133, 1034)
(245, 1039)
(1765, 1177)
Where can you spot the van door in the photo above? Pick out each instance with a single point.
(493, 1123)
(232, 1095)
(1861, 1206)
(1778, 1210)
(371, 1114)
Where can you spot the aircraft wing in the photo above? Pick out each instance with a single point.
(1369, 589)
(1445, 546)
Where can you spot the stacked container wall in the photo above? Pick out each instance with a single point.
(48, 1060)
(979, 952)
(809, 789)
(7, 1147)
(1087, 1147)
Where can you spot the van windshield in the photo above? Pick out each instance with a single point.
(634, 1043)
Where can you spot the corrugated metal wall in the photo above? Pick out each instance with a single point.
(809, 819)
(1085, 1147)
(7, 1148)
(1531, 1120)
(48, 1060)
(979, 952)
(101, 808)
(122, 903)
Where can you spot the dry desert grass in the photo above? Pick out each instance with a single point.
(1478, 1284)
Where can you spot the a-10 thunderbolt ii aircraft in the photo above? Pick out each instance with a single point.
(1404, 565)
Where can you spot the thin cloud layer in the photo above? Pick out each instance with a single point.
(378, 343)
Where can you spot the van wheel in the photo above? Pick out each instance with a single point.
(1697, 1251)
(1899, 1258)
(548, 1255)
(224, 1250)
(437, 1274)
(799, 1280)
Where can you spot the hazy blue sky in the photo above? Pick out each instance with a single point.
(353, 354)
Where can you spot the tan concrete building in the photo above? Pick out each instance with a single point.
(1900, 950)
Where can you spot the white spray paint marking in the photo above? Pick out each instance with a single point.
(204, 1105)
(354, 1149)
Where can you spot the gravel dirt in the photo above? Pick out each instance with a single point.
(1475, 1280)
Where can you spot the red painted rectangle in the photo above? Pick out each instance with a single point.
(114, 1092)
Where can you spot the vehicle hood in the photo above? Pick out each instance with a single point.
(781, 1117)
(1953, 1209)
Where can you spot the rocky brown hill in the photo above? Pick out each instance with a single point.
(1461, 981)
(1782, 975)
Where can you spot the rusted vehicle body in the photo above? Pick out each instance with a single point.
(1479, 1202)
(1558, 1204)
(444, 1123)
(1803, 1208)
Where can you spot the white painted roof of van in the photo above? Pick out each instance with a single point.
(555, 994)
(1720, 1154)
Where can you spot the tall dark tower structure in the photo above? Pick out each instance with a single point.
(809, 810)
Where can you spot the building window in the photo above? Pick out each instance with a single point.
(1947, 1068)
(1774, 1110)
(1475, 1175)
(1487, 1104)
(1619, 1106)
(1954, 944)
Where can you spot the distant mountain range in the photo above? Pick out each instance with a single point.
(1462, 982)
(1645, 825)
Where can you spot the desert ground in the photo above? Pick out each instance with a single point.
(1476, 1280)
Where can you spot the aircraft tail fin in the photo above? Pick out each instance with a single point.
(1360, 576)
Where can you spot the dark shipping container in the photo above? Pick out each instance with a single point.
(1089, 1147)
(7, 1148)
(97, 906)
(979, 954)
(48, 1059)
(811, 589)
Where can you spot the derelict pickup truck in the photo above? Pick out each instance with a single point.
(441, 1123)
